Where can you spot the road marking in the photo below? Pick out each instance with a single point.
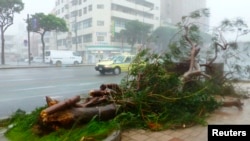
(90, 83)
(35, 88)
(52, 95)
(18, 80)
(46, 87)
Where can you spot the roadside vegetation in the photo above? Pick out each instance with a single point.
(161, 91)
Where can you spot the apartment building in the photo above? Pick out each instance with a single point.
(93, 24)
(173, 10)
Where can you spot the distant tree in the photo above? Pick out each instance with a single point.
(7, 10)
(189, 46)
(41, 23)
(162, 35)
(136, 32)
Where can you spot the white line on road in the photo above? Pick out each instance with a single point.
(17, 80)
(34, 88)
(90, 83)
(53, 95)
(48, 87)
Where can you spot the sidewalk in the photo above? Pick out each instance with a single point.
(224, 115)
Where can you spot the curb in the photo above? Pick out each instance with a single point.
(114, 136)
(2, 137)
(39, 66)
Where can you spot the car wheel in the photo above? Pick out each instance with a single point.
(116, 71)
(102, 72)
(58, 63)
(76, 63)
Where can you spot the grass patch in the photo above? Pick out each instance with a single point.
(24, 126)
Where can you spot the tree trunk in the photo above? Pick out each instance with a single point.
(2, 51)
(67, 118)
(43, 46)
(60, 106)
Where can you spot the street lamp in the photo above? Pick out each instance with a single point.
(143, 15)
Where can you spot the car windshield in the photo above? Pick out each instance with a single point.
(118, 59)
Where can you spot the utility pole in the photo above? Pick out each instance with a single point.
(76, 33)
(28, 30)
(56, 40)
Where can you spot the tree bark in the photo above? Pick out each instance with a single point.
(68, 117)
(59, 106)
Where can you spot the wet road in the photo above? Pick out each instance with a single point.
(26, 88)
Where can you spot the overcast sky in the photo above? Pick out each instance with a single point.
(30, 7)
(36, 6)
(220, 9)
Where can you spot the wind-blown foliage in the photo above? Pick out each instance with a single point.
(41, 23)
(7, 10)
(162, 36)
(136, 32)
(153, 88)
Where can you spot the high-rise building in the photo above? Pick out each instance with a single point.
(93, 24)
(173, 10)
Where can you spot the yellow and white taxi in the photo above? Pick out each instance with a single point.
(116, 65)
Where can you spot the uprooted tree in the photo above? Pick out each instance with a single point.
(169, 94)
(192, 44)
(153, 90)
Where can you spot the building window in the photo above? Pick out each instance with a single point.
(80, 12)
(87, 23)
(66, 16)
(59, 42)
(74, 2)
(80, 2)
(87, 38)
(64, 42)
(85, 10)
(120, 23)
(79, 26)
(74, 40)
(100, 6)
(100, 23)
(100, 38)
(84, 0)
(74, 13)
(79, 39)
(90, 7)
(66, 6)
(74, 26)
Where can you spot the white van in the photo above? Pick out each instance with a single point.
(59, 57)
